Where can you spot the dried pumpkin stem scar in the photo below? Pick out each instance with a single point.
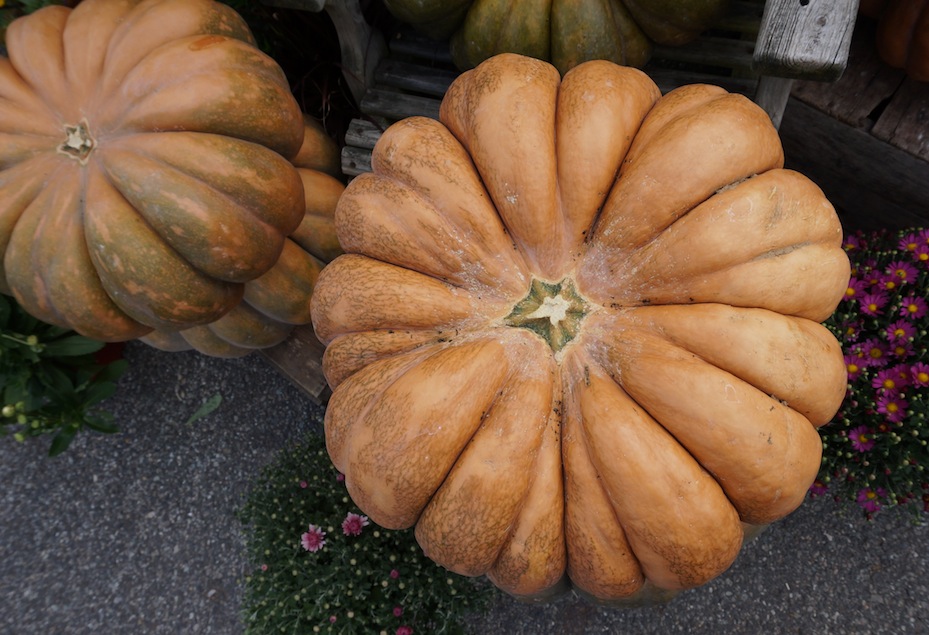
(552, 311)
(78, 143)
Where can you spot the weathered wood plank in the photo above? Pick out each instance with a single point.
(805, 39)
(362, 134)
(415, 77)
(299, 358)
(872, 183)
(395, 106)
(355, 161)
(709, 51)
(904, 123)
(865, 85)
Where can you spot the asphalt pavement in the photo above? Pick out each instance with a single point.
(135, 533)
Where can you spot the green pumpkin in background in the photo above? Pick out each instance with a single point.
(563, 32)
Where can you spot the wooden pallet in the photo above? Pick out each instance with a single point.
(864, 140)
(755, 49)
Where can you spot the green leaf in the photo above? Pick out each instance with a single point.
(112, 371)
(62, 440)
(97, 392)
(208, 406)
(71, 345)
(100, 424)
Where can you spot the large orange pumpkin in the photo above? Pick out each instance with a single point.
(576, 329)
(144, 173)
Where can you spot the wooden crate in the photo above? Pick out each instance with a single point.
(864, 139)
(755, 49)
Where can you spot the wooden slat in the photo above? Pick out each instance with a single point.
(395, 106)
(709, 51)
(299, 358)
(355, 161)
(362, 134)
(805, 39)
(872, 183)
(417, 78)
(904, 123)
(861, 90)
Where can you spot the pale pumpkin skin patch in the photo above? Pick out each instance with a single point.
(576, 332)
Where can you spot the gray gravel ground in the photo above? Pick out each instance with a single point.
(136, 534)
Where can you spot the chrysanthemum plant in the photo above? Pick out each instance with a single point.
(319, 566)
(875, 450)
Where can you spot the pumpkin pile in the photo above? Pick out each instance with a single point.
(902, 34)
(146, 177)
(564, 33)
(576, 331)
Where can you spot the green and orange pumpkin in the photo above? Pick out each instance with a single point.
(564, 32)
(145, 173)
(576, 331)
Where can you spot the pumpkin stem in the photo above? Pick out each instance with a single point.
(78, 143)
(552, 311)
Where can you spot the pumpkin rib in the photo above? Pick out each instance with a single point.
(601, 561)
(131, 259)
(680, 541)
(221, 74)
(350, 352)
(423, 155)
(368, 221)
(51, 271)
(775, 451)
(237, 246)
(768, 337)
(399, 459)
(457, 528)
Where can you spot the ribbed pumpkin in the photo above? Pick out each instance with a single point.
(576, 329)
(564, 32)
(144, 173)
(279, 300)
(902, 34)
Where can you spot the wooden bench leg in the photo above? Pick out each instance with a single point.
(772, 94)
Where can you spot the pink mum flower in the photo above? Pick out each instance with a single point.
(893, 406)
(398, 611)
(854, 366)
(891, 379)
(314, 539)
(818, 488)
(921, 254)
(861, 438)
(404, 630)
(919, 372)
(394, 574)
(852, 242)
(902, 271)
(873, 303)
(909, 242)
(353, 524)
(869, 499)
(871, 352)
(914, 307)
(855, 289)
(900, 331)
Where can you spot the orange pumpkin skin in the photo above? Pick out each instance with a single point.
(575, 330)
(902, 34)
(144, 173)
(278, 300)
